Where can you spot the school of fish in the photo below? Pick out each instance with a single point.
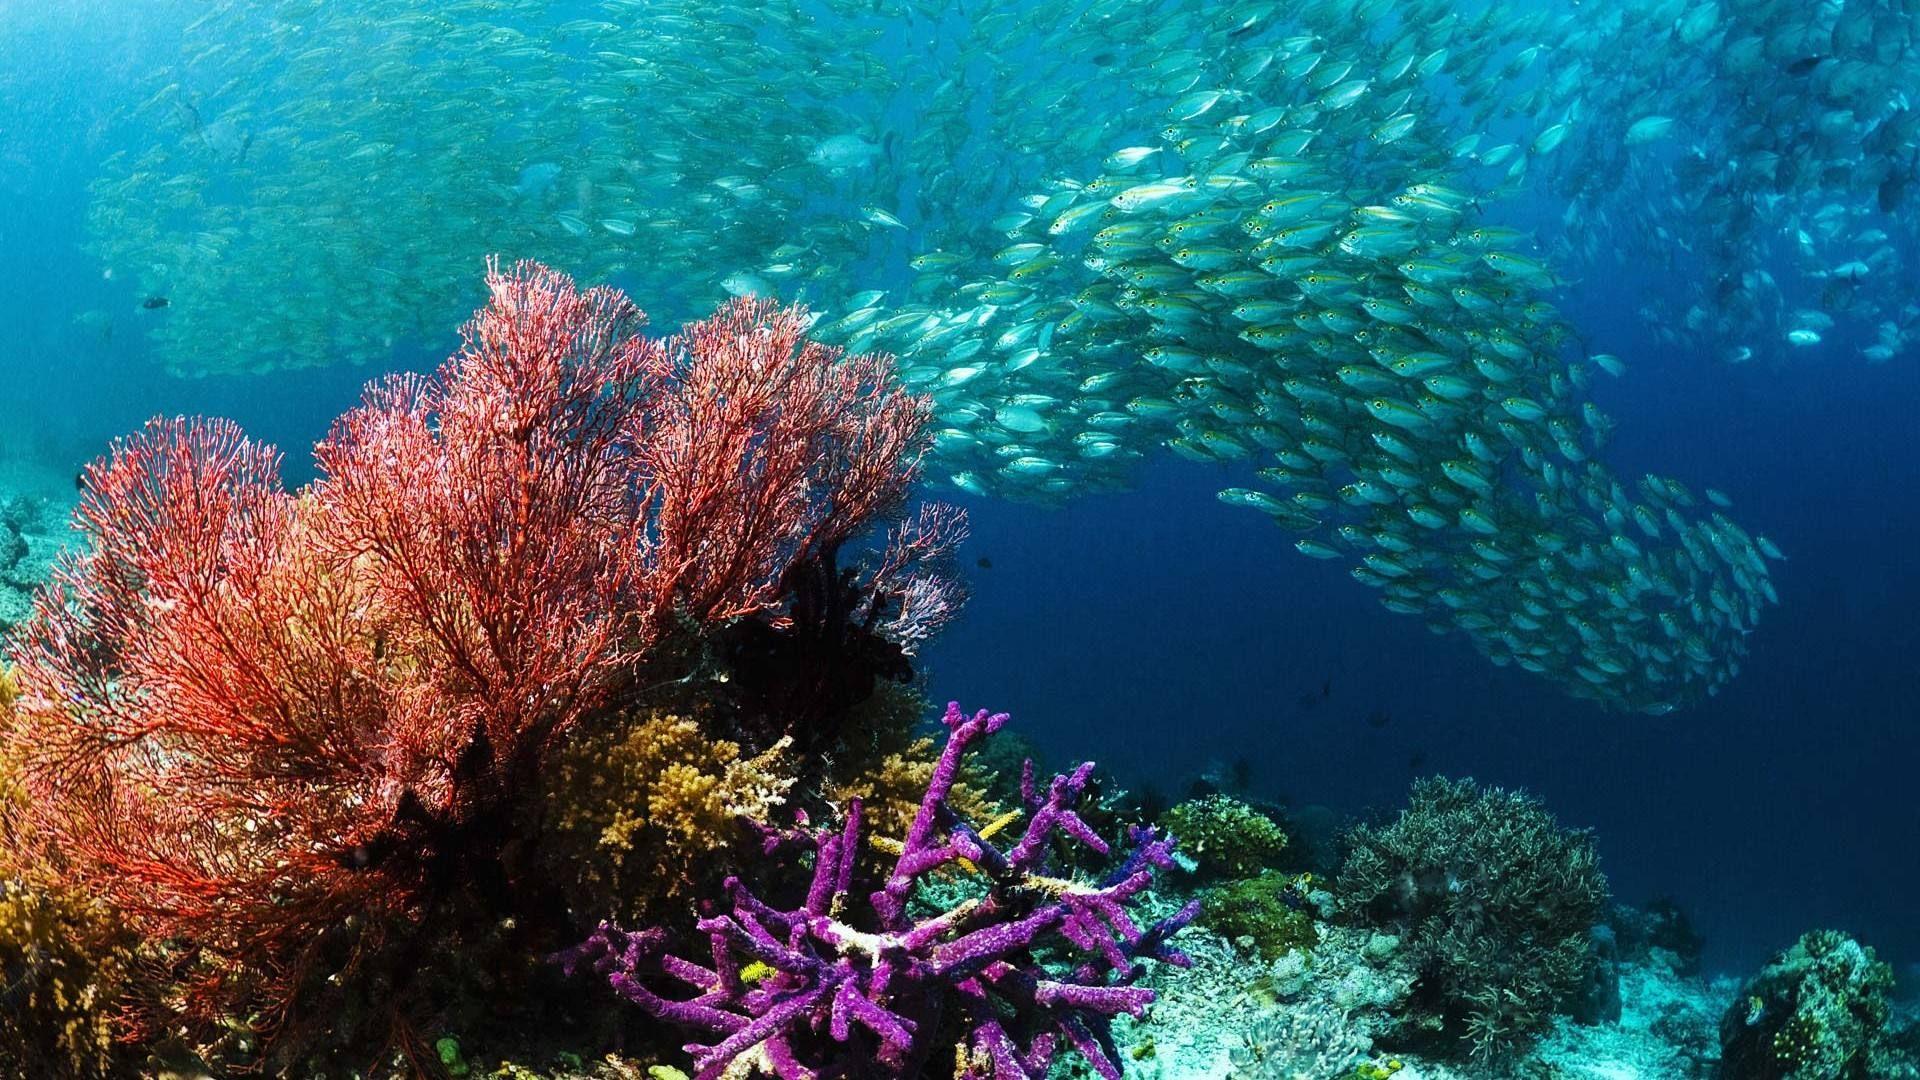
(1287, 234)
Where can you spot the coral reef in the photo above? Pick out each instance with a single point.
(1232, 1016)
(28, 549)
(1226, 838)
(1818, 1012)
(875, 999)
(1494, 905)
(288, 735)
(1667, 1028)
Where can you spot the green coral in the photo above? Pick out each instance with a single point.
(1271, 910)
(1493, 902)
(1226, 838)
(1818, 1012)
(1802, 1044)
(447, 1049)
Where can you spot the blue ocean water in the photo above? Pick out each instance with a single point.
(1162, 632)
(1159, 632)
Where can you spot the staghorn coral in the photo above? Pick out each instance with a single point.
(1818, 1012)
(1493, 902)
(290, 734)
(872, 998)
(637, 808)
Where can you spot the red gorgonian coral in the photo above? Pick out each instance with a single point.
(251, 717)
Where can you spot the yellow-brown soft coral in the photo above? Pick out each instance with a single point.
(647, 810)
(62, 962)
(884, 764)
(639, 807)
(61, 969)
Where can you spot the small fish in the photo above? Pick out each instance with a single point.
(839, 153)
(155, 303)
(741, 283)
(1197, 104)
(1128, 157)
(1649, 129)
(878, 216)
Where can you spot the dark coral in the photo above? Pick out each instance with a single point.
(1493, 900)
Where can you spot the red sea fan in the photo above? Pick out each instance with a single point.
(200, 730)
(250, 717)
(768, 451)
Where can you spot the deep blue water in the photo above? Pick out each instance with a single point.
(1159, 631)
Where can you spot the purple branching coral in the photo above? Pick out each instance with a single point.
(840, 1001)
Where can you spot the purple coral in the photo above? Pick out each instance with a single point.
(839, 1001)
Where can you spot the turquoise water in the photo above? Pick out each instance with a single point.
(1566, 350)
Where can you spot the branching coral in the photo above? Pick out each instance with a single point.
(843, 999)
(283, 732)
(1491, 899)
(884, 761)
